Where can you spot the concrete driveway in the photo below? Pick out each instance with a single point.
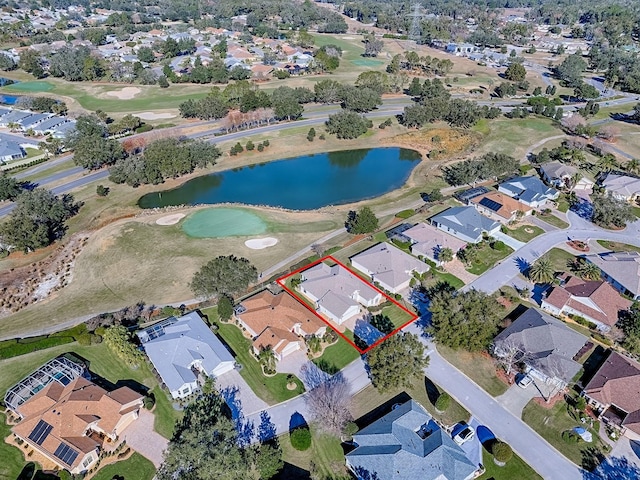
(292, 363)
(141, 436)
(510, 241)
(235, 389)
(473, 447)
(628, 449)
(516, 398)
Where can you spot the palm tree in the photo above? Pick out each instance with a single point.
(267, 359)
(588, 270)
(541, 271)
(633, 166)
(608, 162)
(445, 255)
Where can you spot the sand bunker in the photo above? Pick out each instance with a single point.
(127, 93)
(260, 243)
(170, 219)
(154, 116)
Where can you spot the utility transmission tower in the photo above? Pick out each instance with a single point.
(416, 15)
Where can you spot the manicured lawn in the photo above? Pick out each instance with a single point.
(618, 247)
(515, 468)
(559, 259)
(478, 367)
(524, 233)
(325, 452)
(550, 423)
(338, 355)
(487, 257)
(450, 278)
(12, 458)
(164, 414)
(563, 203)
(270, 389)
(136, 467)
(397, 315)
(553, 220)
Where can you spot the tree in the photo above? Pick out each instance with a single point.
(347, 125)
(509, 351)
(93, 152)
(312, 134)
(382, 323)
(38, 220)
(610, 212)
(328, 398)
(267, 358)
(541, 271)
(225, 308)
(163, 82)
(585, 91)
(372, 46)
(501, 451)
(120, 342)
(588, 270)
(284, 102)
(7, 63)
(102, 191)
(397, 362)
(515, 72)
(145, 54)
(445, 255)
(10, 188)
(228, 275)
(462, 319)
(362, 221)
(629, 323)
(571, 69)
(328, 91)
(360, 99)
(376, 81)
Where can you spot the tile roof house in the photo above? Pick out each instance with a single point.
(407, 444)
(68, 424)
(548, 344)
(529, 190)
(428, 241)
(499, 206)
(614, 391)
(389, 266)
(622, 187)
(557, 174)
(595, 300)
(278, 321)
(182, 349)
(620, 269)
(336, 292)
(465, 223)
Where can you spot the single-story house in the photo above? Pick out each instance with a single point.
(70, 424)
(33, 120)
(614, 392)
(622, 187)
(546, 344)
(14, 117)
(460, 49)
(428, 241)
(278, 321)
(182, 349)
(465, 223)
(558, 174)
(407, 444)
(595, 300)
(10, 150)
(529, 190)
(336, 292)
(620, 269)
(48, 125)
(499, 206)
(389, 266)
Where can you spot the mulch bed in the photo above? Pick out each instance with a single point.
(578, 245)
(549, 405)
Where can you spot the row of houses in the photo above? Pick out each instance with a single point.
(39, 123)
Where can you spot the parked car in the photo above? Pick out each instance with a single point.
(524, 381)
(465, 433)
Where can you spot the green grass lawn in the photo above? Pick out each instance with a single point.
(479, 368)
(136, 467)
(270, 389)
(515, 468)
(553, 220)
(102, 363)
(618, 247)
(487, 257)
(338, 355)
(525, 233)
(563, 203)
(550, 423)
(12, 458)
(397, 315)
(325, 452)
(450, 278)
(559, 259)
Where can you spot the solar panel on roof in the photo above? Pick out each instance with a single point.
(65, 453)
(40, 433)
(491, 204)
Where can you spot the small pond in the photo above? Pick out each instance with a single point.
(301, 183)
(223, 222)
(8, 99)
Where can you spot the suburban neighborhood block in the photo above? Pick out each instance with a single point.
(622, 187)
(500, 207)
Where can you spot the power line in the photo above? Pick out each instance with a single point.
(416, 15)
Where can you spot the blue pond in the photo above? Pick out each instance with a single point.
(301, 183)
(8, 99)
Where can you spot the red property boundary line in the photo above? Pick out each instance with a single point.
(282, 282)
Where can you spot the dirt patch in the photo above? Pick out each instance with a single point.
(448, 142)
(260, 243)
(550, 404)
(23, 286)
(127, 93)
(171, 219)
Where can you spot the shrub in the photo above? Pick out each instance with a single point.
(443, 402)
(498, 245)
(266, 143)
(300, 438)
(149, 402)
(406, 213)
(501, 452)
(144, 128)
(250, 146)
(260, 147)
(84, 339)
(102, 191)
(350, 429)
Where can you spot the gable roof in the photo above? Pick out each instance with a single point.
(181, 344)
(57, 418)
(558, 170)
(617, 382)
(548, 342)
(622, 185)
(528, 189)
(499, 203)
(624, 267)
(429, 240)
(465, 220)
(407, 444)
(389, 264)
(281, 311)
(594, 298)
(9, 148)
(276, 338)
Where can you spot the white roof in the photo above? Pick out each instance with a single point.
(389, 264)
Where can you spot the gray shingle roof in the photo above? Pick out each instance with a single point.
(555, 170)
(465, 220)
(50, 123)
(184, 342)
(548, 342)
(10, 148)
(33, 119)
(623, 267)
(528, 189)
(406, 444)
(622, 185)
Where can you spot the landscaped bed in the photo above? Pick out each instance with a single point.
(136, 467)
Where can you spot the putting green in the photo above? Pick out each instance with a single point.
(42, 86)
(223, 222)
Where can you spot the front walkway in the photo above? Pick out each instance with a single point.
(510, 241)
(141, 436)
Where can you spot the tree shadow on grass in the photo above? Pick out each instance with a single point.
(381, 410)
(432, 391)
